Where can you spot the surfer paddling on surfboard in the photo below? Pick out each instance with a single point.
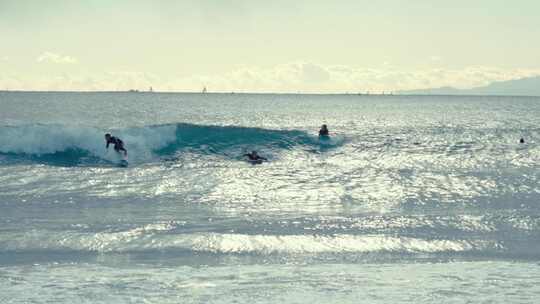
(254, 157)
(117, 142)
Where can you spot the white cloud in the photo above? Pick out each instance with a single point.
(292, 77)
(309, 77)
(48, 57)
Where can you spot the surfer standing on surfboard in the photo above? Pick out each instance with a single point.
(118, 143)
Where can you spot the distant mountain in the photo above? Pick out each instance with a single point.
(519, 87)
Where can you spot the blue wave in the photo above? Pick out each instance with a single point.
(76, 145)
(216, 139)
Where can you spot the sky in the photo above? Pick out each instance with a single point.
(314, 46)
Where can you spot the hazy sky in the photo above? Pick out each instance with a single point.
(251, 45)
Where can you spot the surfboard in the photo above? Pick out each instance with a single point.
(124, 161)
(255, 161)
(325, 140)
(324, 137)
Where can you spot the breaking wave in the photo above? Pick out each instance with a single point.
(76, 145)
(158, 238)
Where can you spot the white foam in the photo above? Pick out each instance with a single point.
(233, 243)
(46, 139)
(158, 237)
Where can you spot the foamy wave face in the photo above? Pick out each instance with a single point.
(46, 139)
(39, 140)
(143, 142)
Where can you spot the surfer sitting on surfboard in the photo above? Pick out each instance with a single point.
(254, 157)
(118, 143)
(323, 132)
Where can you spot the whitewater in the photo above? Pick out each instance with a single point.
(424, 199)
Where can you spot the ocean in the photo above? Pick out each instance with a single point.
(414, 199)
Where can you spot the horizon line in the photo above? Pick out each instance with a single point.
(397, 93)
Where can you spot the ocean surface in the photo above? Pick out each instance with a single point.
(414, 199)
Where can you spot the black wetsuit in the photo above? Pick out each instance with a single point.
(118, 144)
(254, 157)
(324, 132)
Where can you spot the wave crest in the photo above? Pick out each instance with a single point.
(65, 145)
(162, 238)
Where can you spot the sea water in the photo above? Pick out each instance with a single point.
(418, 199)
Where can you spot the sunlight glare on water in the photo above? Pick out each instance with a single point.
(413, 198)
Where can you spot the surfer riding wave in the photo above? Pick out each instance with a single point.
(118, 143)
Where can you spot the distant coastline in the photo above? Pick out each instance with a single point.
(424, 93)
(524, 87)
(518, 87)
